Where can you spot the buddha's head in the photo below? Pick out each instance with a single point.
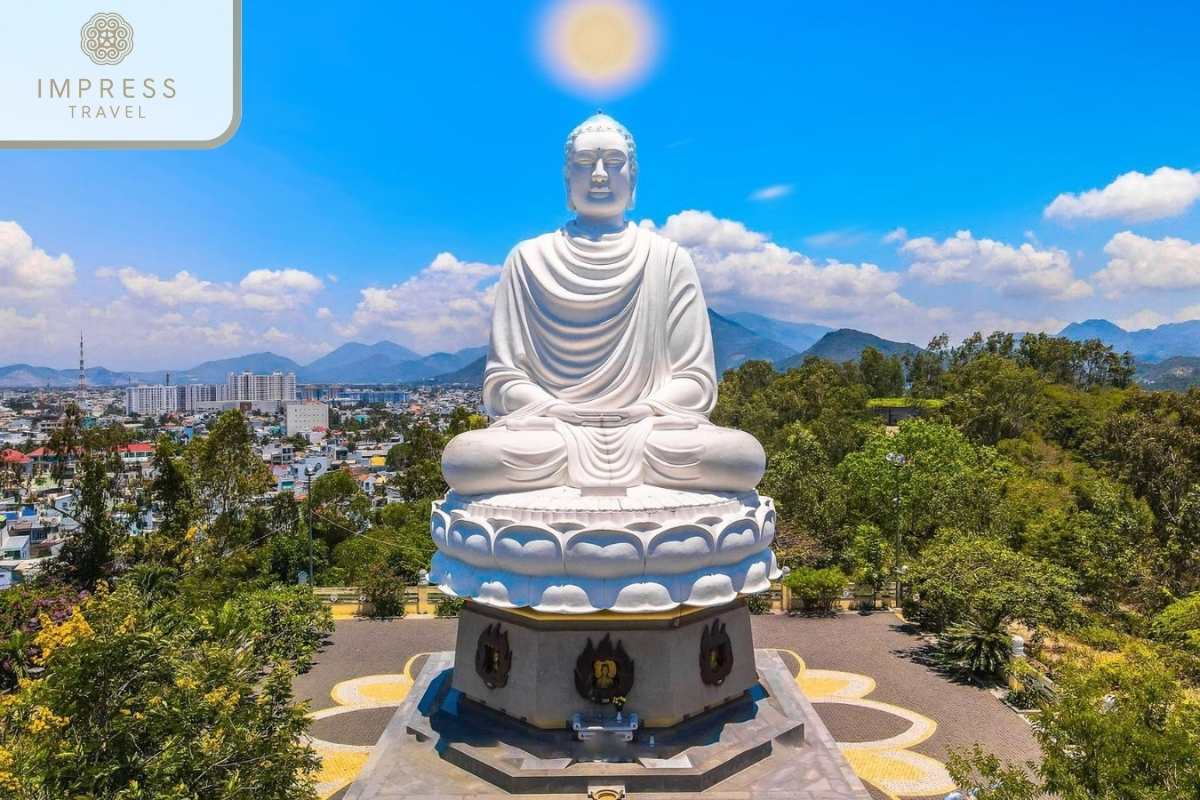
(601, 168)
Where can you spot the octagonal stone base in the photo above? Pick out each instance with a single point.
(665, 648)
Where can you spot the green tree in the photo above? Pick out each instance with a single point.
(228, 475)
(422, 443)
(1121, 728)
(89, 552)
(923, 369)
(870, 558)
(1179, 624)
(174, 500)
(407, 525)
(817, 589)
(462, 419)
(976, 769)
(808, 499)
(961, 577)
(883, 375)
(339, 505)
(1152, 444)
(142, 701)
(945, 481)
(991, 398)
(66, 443)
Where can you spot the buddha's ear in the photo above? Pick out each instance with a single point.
(632, 198)
(567, 187)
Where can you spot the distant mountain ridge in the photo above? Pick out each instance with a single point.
(847, 344)
(384, 362)
(734, 344)
(1175, 374)
(1147, 344)
(799, 336)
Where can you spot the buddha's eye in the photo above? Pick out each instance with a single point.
(615, 162)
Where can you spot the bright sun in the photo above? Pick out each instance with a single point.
(598, 48)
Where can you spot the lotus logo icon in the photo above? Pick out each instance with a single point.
(106, 38)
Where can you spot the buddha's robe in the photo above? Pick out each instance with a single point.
(601, 325)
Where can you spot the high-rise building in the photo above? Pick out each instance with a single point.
(194, 394)
(153, 400)
(303, 417)
(166, 398)
(247, 386)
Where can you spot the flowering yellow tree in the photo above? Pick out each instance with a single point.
(141, 700)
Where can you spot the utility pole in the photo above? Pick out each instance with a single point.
(82, 374)
(309, 471)
(897, 461)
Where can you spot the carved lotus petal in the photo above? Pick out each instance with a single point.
(712, 590)
(642, 598)
(529, 549)
(757, 578)
(739, 539)
(565, 599)
(470, 541)
(439, 525)
(768, 527)
(604, 554)
(682, 548)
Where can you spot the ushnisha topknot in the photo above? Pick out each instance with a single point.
(603, 122)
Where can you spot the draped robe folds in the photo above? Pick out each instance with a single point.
(601, 325)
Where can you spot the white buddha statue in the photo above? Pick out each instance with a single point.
(600, 371)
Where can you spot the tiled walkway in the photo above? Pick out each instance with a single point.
(893, 717)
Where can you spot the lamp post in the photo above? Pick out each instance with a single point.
(309, 471)
(897, 461)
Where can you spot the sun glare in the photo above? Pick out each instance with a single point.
(598, 48)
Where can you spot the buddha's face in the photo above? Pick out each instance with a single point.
(599, 181)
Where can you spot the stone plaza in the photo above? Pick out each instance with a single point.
(892, 717)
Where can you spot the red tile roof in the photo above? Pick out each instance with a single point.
(14, 457)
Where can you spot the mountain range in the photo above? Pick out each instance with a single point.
(737, 337)
(1147, 344)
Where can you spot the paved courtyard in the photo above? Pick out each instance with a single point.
(893, 717)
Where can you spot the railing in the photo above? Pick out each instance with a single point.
(349, 599)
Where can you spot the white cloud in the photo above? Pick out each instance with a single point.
(772, 192)
(844, 238)
(898, 235)
(1134, 197)
(1140, 263)
(261, 289)
(741, 269)
(1024, 271)
(24, 330)
(1188, 313)
(1146, 318)
(278, 290)
(444, 307)
(28, 272)
(183, 288)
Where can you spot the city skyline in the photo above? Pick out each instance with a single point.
(897, 172)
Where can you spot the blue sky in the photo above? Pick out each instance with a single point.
(390, 155)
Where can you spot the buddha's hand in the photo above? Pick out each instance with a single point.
(600, 418)
(631, 414)
(566, 412)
